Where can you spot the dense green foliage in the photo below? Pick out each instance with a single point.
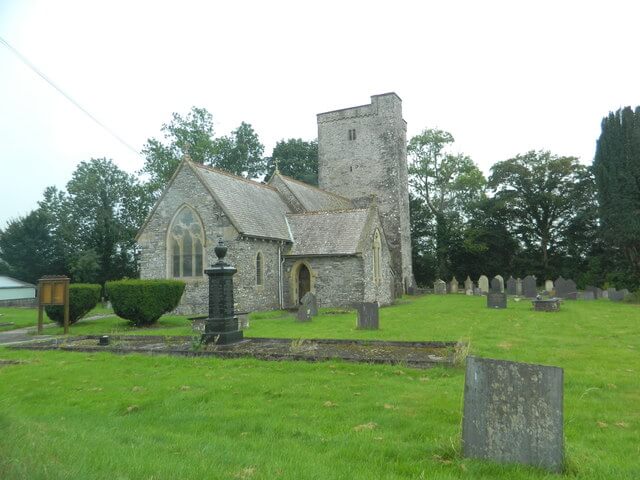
(295, 158)
(147, 416)
(617, 172)
(143, 302)
(239, 153)
(83, 297)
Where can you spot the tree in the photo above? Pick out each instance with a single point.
(447, 183)
(544, 194)
(193, 133)
(27, 247)
(295, 158)
(106, 207)
(616, 167)
(240, 153)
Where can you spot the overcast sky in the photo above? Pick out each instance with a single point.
(502, 77)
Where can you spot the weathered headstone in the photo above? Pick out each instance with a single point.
(511, 286)
(616, 295)
(483, 284)
(304, 313)
(559, 287)
(548, 286)
(477, 291)
(611, 290)
(501, 280)
(597, 292)
(566, 288)
(453, 285)
(513, 413)
(496, 300)
(519, 288)
(588, 295)
(529, 288)
(368, 317)
(468, 285)
(439, 287)
(310, 300)
(604, 294)
(495, 287)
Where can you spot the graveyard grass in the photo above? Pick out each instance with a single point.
(98, 416)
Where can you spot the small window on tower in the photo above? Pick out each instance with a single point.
(352, 134)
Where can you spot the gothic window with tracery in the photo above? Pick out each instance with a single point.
(377, 246)
(186, 244)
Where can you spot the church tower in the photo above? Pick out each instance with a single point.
(363, 154)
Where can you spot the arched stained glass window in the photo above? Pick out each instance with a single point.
(186, 244)
(377, 246)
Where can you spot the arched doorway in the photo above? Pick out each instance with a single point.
(304, 282)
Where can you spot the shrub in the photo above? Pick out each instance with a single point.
(143, 302)
(83, 297)
(633, 297)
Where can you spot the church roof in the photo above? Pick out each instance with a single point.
(255, 209)
(312, 198)
(327, 233)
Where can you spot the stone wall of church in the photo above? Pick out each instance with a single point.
(336, 281)
(186, 189)
(374, 162)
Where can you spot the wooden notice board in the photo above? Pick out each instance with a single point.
(53, 290)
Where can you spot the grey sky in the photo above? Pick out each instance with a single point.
(502, 77)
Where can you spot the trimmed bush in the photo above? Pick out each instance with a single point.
(83, 297)
(143, 302)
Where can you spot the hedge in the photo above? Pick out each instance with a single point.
(143, 302)
(83, 297)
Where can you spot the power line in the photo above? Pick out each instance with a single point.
(31, 66)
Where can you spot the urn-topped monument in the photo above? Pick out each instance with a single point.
(222, 325)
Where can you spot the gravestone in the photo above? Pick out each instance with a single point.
(559, 287)
(548, 286)
(495, 287)
(496, 300)
(439, 287)
(616, 295)
(310, 300)
(453, 285)
(513, 413)
(501, 280)
(511, 286)
(477, 291)
(368, 318)
(468, 286)
(604, 294)
(588, 295)
(597, 292)
(529, 288)
(566, 288)
(611, 290)
(546, 304)
(483, 284)
(519, 289)
(304, 313)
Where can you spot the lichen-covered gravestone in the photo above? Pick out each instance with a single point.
(519, 288)
(588, 295)
(368, 317)
(597, 292)
(304, 313)
(483, 283)
(529, 288)
(439, 287)
(548, 286)
(513, 413)
(496, 298)
(468, 286)
(310, 300)
(453, 285)
(511, 286)
(501, 280)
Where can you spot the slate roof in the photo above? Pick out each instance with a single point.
(327, 233)
(255, 209)
(312, 198)
(10, 282)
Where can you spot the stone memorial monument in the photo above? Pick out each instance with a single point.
(529, 288)
(468, 286)
(501, 280)
(548, 286)
(368, 317)
(309, 300)
(439, 287)
(483, 283)
(513, 413)
(496, 298)
(453, 285)
(511, 286)
(519, 289)
(221, 327)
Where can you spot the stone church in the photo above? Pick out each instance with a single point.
(346, 241)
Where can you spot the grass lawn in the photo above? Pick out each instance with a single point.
(98, 416)
(28, 317)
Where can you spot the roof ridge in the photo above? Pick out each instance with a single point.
(314, 187)
(228, 174)
(318, 212)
